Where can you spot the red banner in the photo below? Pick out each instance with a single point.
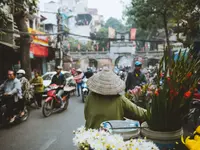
(39, 50)
(79, 47)
(133, 33)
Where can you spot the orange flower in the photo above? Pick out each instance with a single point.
(189, 75)
(188, 94)
(157, 92)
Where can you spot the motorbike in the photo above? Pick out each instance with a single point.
(52, 103)
(192, 119)
(4, 121)
(122, 75)
(84, 89)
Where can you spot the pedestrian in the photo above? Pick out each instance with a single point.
(89, 73)
(78, 78)
(135, 78)
(105, 101)
(37, 82)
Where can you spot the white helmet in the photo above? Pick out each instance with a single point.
(21, 71)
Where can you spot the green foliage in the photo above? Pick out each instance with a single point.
(102, 34)
(182, 16)
(171, 100)
(115, 24)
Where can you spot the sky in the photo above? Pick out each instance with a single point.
(107, 8)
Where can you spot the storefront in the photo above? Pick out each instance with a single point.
(9, 59)
(39, 51)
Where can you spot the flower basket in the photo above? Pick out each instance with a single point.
(100, 140)
(171, 99)
(164, 140)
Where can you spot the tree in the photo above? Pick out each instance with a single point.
(167, 14)
(115, 24)
(102, 38)
(20, 10)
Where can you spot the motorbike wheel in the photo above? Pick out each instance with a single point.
(66, 104)
(26, 114)
(82, 96)
(47, 109)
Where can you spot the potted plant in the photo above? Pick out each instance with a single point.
(171, 99)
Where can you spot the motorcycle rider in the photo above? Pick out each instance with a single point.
(135, 78)
(27, 94)
(89, 73)
(59, 79)
(12, 91)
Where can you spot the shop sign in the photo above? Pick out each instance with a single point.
(38, 39)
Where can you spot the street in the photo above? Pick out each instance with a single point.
(39, 133)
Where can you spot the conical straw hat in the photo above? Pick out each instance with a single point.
(106, 82)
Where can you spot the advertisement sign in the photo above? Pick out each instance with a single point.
(39, 44)
(38, 39)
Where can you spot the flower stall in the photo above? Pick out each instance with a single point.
(171, 99)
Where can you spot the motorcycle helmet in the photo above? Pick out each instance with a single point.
(21, 71)
(79, 70)
(138, 64)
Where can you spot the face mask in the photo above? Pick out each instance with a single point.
(19, 76)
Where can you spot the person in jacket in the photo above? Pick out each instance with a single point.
(37, 82)
(12, 92)
(27, 93)
(89, 73)
(60, 80)
(105, 101)
(78, 78)
(135, 78)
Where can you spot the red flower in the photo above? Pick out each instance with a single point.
(157, 92)
(173, 93)
(188, 94)
(189, 75)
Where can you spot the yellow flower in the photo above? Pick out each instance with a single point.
(197, 138)
(197, 130)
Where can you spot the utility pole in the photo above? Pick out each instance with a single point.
(59, 44)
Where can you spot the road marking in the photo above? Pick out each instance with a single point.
(48, 144)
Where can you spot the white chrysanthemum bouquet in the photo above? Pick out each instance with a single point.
(101, 140)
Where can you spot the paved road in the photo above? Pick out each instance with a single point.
(39, 133)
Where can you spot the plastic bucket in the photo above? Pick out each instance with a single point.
(164, 140)
(126, 128)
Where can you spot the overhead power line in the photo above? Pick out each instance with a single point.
(77, 35)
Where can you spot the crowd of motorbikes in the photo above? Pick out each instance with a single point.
(52, 104)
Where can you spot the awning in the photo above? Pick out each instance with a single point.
(39, 50)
